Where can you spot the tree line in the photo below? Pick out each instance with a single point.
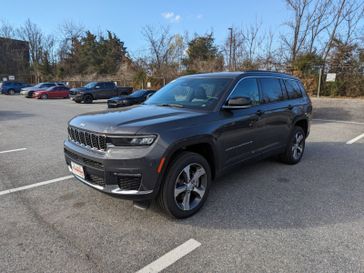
(326, 35)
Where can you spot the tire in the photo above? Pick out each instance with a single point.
(88, 99)
(295, 147)
(44, 96)
(177, 203)
(11, 92)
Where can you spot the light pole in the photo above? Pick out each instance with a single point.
(231, 44)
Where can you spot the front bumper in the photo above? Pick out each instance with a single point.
(76, 97)
(129, 173)
(115, 104)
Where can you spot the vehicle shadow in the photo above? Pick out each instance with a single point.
(332, 113)
(13, 115)
(321, 190)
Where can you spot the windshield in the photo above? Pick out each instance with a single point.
(199, 93)
(90, 85)
(38, 85)
(137, 93)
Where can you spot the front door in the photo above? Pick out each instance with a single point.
(240, 134)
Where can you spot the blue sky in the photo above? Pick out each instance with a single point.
(127, 18)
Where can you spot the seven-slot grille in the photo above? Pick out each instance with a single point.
(87, 139)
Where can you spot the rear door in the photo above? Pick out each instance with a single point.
(111, 90)
(99, 91)
(276, 113)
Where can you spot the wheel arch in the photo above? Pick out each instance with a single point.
(303, 123)
(203, 145)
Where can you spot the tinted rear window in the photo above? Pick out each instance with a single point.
(293, 89)
(271, 90)
(109, 85)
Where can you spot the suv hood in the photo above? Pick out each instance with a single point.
(78, 89)
(120, 98)
(130, 120)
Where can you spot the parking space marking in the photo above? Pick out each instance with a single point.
(15, 150)
(171, 257)
(36, 185)
(339, 121)
(355, 139)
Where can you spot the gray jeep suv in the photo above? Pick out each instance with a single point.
(190, 132)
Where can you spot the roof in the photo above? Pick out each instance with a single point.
(238, 74)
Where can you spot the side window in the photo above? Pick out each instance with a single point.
(109, 85)
(247, 88)
(293, 89)
(303, 91)
(271, 90)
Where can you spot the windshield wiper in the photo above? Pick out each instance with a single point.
(171, 105)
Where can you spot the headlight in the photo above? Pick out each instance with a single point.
(132, 140)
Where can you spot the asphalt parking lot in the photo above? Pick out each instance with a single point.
(264, 217)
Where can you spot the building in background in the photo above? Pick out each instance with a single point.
(14, 59)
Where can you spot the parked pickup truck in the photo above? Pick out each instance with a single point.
(98, 90)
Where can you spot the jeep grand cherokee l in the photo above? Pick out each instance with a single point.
(190, 132)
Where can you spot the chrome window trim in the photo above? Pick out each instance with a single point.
(254, 77)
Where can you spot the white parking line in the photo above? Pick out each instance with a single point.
(171, 257)
(15, 150)
(355, 139)
(36, 185)
(339, 121)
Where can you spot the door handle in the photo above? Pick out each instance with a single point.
(259, 112)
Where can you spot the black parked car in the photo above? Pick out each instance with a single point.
(136, 97)
(98, 90)
(190, 132)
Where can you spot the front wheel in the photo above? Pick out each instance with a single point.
(11, 92)
(295, 147)
(186, 185)
(88, 99)
(44, 96)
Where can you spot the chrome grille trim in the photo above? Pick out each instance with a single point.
(87, 139)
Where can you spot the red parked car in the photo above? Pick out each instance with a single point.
(54, 92)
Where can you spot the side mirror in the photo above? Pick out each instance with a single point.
(238, 103)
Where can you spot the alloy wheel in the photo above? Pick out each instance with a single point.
(298, 144)
(190, 186)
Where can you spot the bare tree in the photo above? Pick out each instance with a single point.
(7, 30)
(268, 59)
(349, 11)
(165, 50)
(321, 20)
(31, 33)
(69, 31)
(300, 26)
(351, 23)
(245, 45)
